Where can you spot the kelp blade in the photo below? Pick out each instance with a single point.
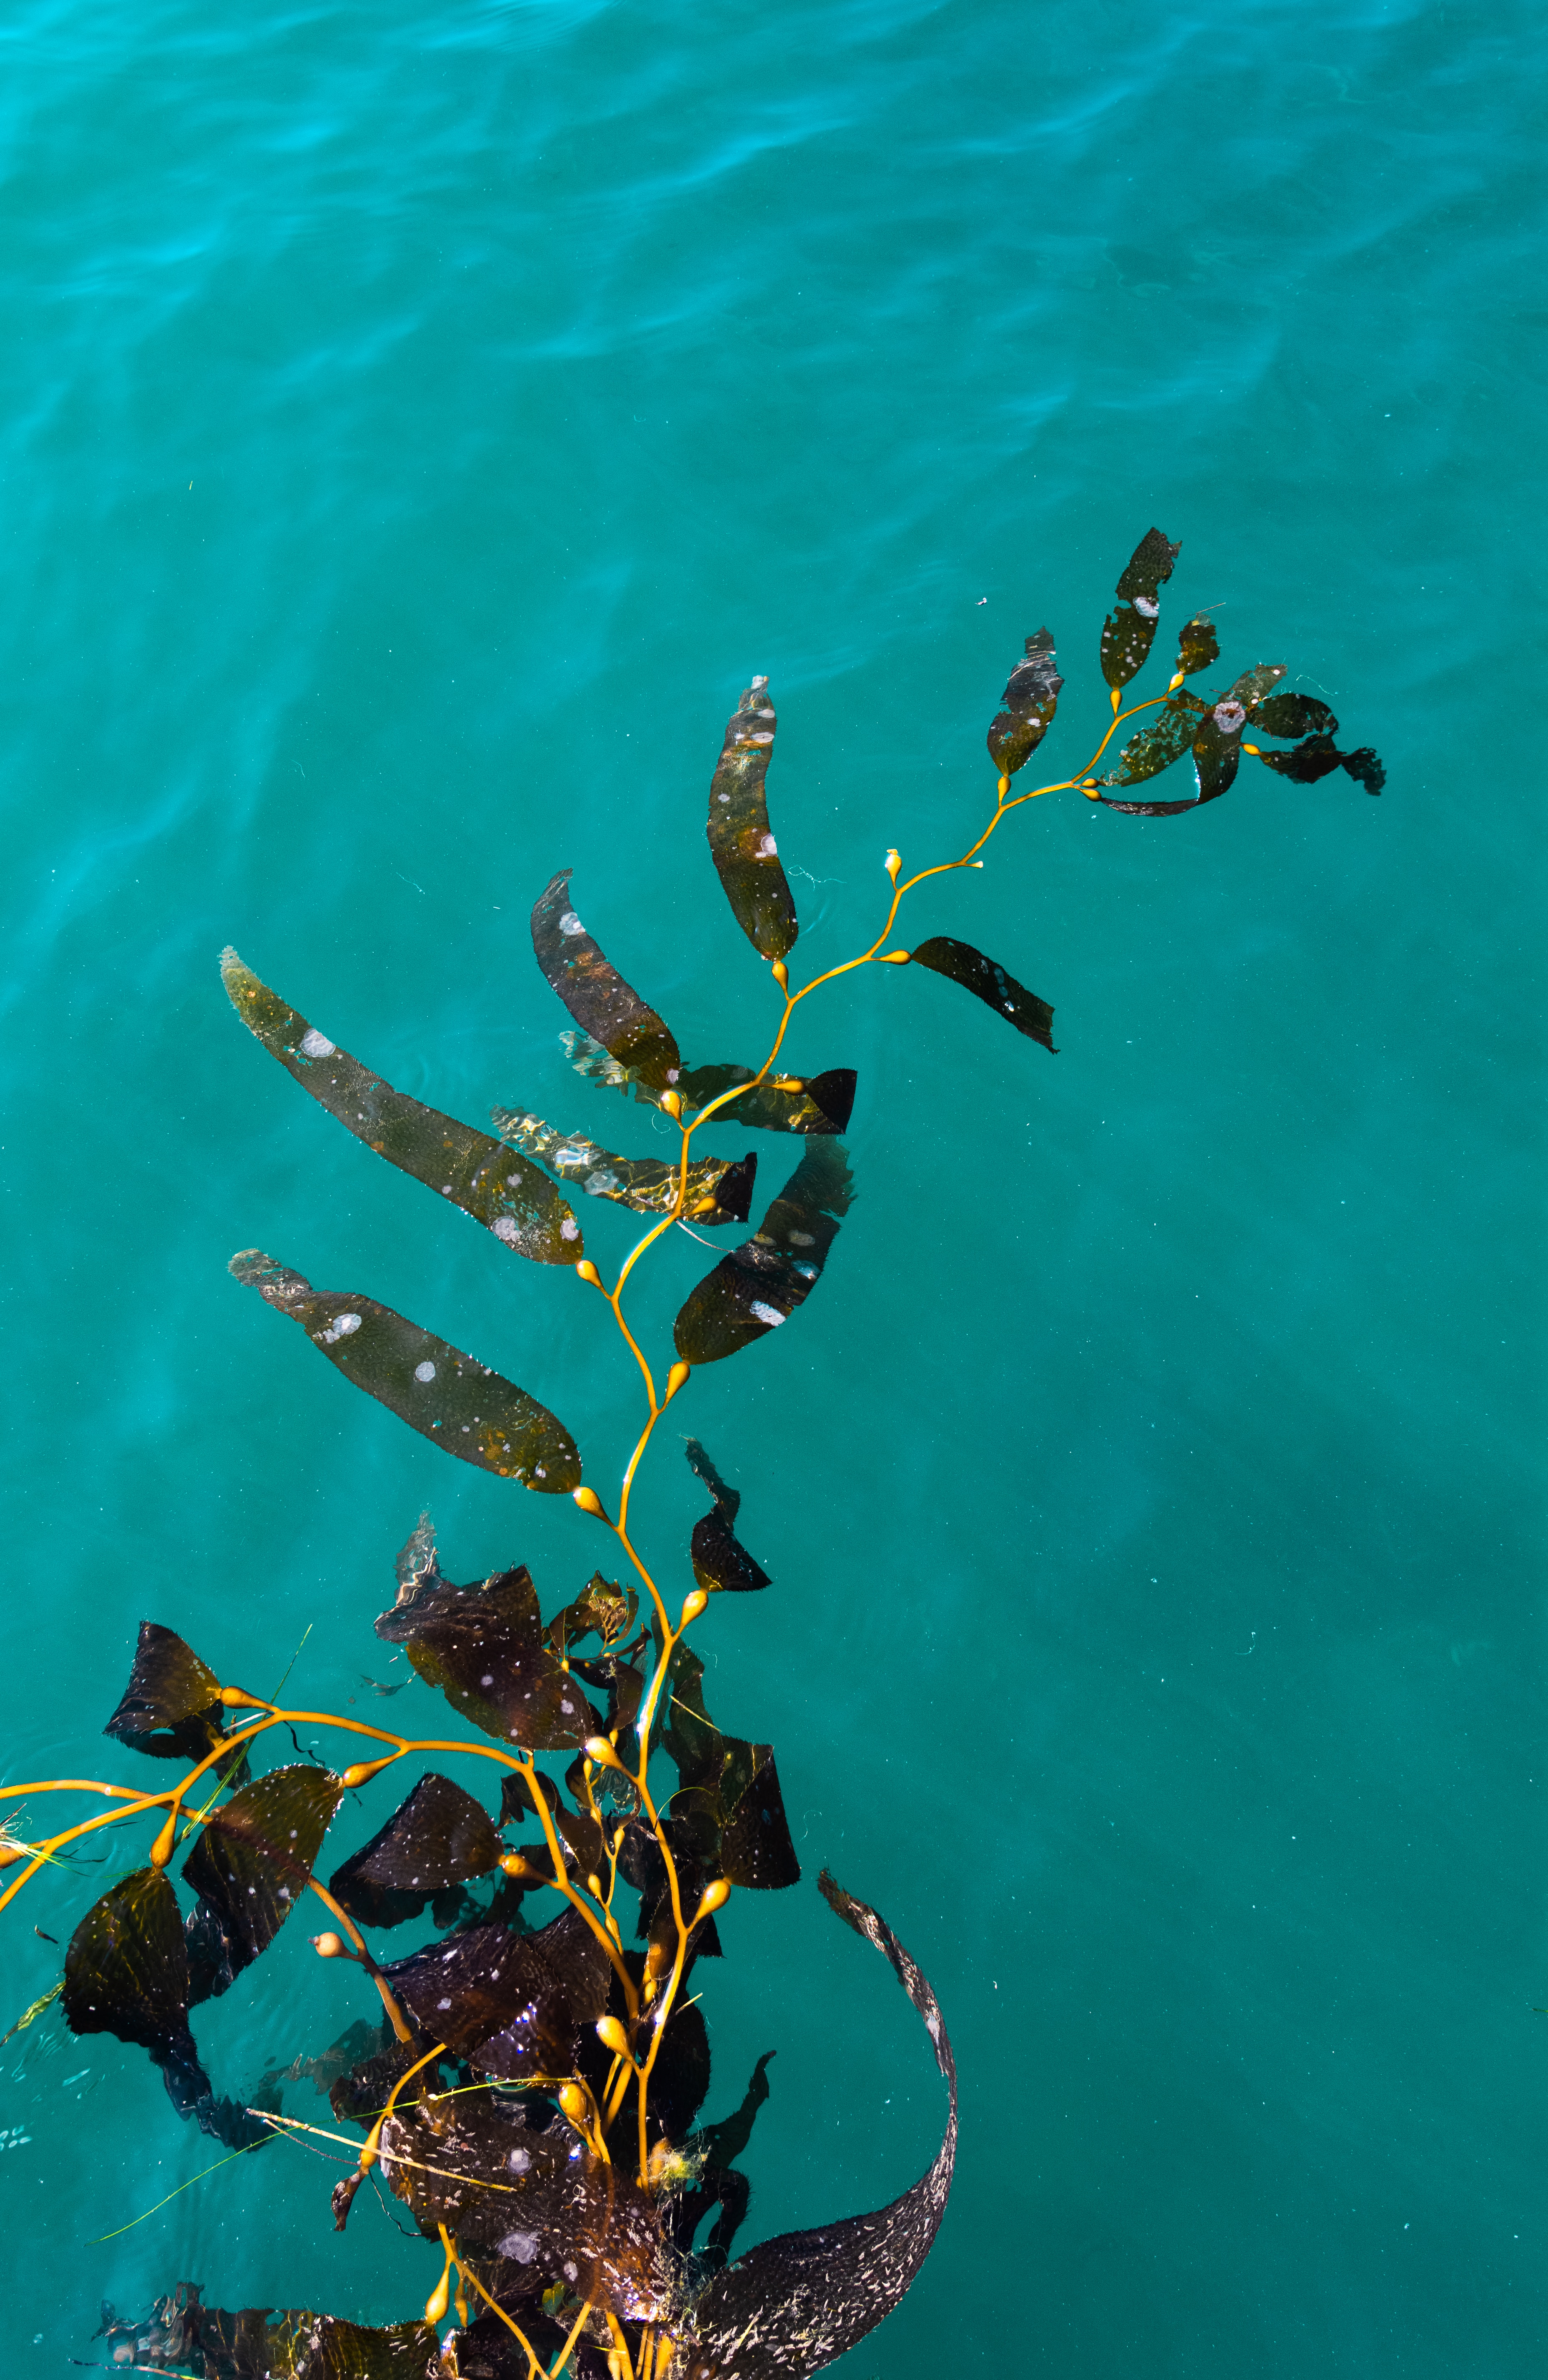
(1027, 707)
(439, 1836)
(989, 982)
(466, 1409)
(255, 2343)
(1159, 744)
(719, 1188)
(484, 1646)
(1129, 630)
(251, 1865)
(728, 1807)
(126, 1967)
(796, 2303)
(171, 1707)
(745, 856)
(1197, 646)
(817, 1103)
(602, 1004)
(509, 1195)
(721, 1563)
(759, 1285)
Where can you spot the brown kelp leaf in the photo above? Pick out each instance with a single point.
(795, 2303)
(507, 1194)
(719, 1561)
(440, 1836)
(1027, 707)
(1365, 769)
(428, 1383)
(745, 854)
(1217, 748)
(729, 1802)
(483, 1646)
(1129, 630)
(254, 2343)
(171, 1707)
(602, 1004)
(252, 1864)
(1197, 646)
(819, 1103)
(1291, 714)
(759, 1285)
(989, 982)
(714, 2150)
(1157, 746)
(1304, 763)
(513, 2004)
(719, 1189)
(601, 1609)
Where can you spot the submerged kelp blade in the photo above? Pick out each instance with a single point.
(1197, 646)
(719, 1189)
(171, 1707)
(483, 1646)
(1318, 756)
(1292, 714)
(601, 1609)
(745, 854)
(1217, 749)
(1027, 707)
(759, 1285)
(595, 994)
(728, 1806)
(466, 1409)
(989, 982)
(439, 1836)
(252, 1862)
(255, 2343)
(1157, 746)
(1129, 630)
(795, 2303)
(514, 2004)
(127, 1968)
(507, 1194)
(816, 1103)
(720, 1563)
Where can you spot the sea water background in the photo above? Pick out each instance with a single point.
(418, 424)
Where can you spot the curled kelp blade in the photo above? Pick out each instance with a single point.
(506, 1193)
(483, 1645)
(1027, 707)
(439, 1836)
(1158, 745)
(1197, 646)
(797, 2302)
(171, 1707)
(466, 1409)
(988, 981)
(602, 1004)
(759, 1285)
(1129, 631)
(728, 1812)
(720, 1561)
(1292, 714)
(719, 1189)
(249, 1868)
(814, 1104)
(746, 857)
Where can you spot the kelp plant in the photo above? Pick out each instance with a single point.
(532, 2093)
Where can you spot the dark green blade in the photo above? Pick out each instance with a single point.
(506, 1193)
(759, 1285)
(483, 1646)
(821, 1104)
(602, 1004)
(514, 2003)
(171, 1707)
(745, 854)
(988, 981)
(719, 1189)
(1217, 748)
(729, 1804)
(1129, 630)
(795, 2303)
(1027, 707)
(1365, 769)
(439, 1836)
(428, 1383)
(126, 1967)
(1292, 714)
(1197, 646)
(1159, 744)
(720, 1561)
(252, 1864)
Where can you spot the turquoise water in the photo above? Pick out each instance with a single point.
(418, 424)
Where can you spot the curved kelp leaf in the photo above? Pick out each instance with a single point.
(595, 994)
(250, 1867)
(171, 1707)
(1027, 707)
(795, 2303)
(813, 1104)
(483, 1646)
(719, 1188)
(728, 1811)
(720, 1561)
(745, 854)
(1197, 646)
(1292, 714)
(428, 1383)
(601, 1609)
(507, 1194)
(1158, 745)
(439, 1836)
(244, 2342)
(1318, 757)
(717, 2182)
(989, 982)
(759, 1285)
(1129, 630)
(515, 2005)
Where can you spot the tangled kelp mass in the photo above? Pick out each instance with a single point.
(531, 2082)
